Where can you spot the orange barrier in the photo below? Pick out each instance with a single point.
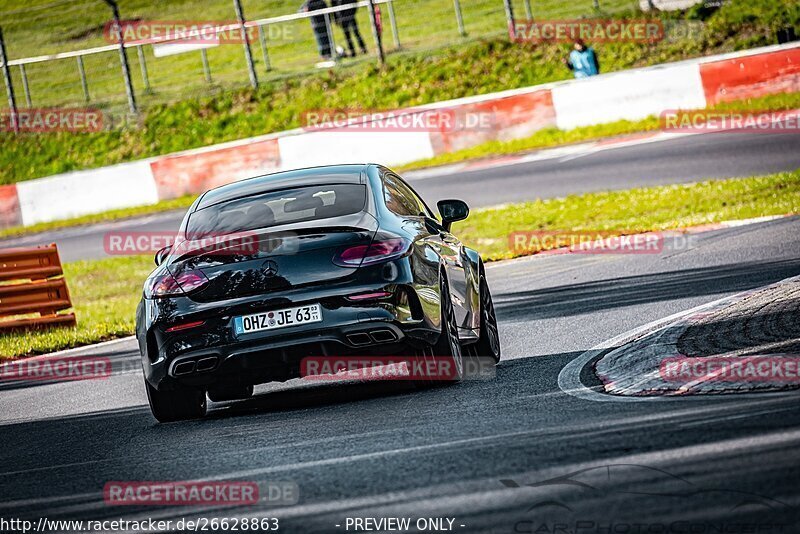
(751, 76)
(32, 289)
(510, 117)
(10, 214)
(192, 172)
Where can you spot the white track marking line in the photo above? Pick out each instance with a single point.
(572, 157)
(705, 422)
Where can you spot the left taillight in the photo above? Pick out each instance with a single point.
(169, 285)
(375, 252)
(184, 326)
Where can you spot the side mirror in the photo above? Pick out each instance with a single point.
(162, 254)
(451, 211)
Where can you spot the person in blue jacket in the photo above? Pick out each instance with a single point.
(583, 61)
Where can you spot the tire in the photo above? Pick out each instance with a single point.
(488, 344)
(448, 347)
(422, 357)
(177, 405)
(229, 393)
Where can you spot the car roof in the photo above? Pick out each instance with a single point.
(328, 174)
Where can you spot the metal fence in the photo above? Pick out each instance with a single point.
(60, 53)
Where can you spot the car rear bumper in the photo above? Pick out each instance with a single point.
(380, 329)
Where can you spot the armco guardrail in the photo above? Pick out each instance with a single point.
(32, 289)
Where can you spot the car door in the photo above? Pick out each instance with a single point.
(400, 197)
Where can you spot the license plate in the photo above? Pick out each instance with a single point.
(272, 320)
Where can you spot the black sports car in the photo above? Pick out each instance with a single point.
(333, 261)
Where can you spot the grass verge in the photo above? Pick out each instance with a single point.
(105, 292)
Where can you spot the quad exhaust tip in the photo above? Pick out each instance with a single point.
(188, 367)
(382, 336)
(359, 339)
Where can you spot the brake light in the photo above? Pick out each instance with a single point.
(376, 252)
(185, 326)
(369, 296)
(168, 285)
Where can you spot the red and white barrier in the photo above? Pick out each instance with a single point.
(751, 75)
(629, 95)
(10, 214)
(83, 192)
(632, 95)
(195, 171)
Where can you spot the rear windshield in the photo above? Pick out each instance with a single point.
(277, 208)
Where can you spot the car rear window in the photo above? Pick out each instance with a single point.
(276, 208)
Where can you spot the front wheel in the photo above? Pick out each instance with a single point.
(488, 344)
(176, 405)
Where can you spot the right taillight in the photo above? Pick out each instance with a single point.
(169, 285)
(375, 252)
(374, 295)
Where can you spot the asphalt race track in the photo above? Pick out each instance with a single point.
(512, 454)
(678, 160)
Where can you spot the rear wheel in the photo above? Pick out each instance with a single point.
(488, 344)
(448, 348)
(176, 405)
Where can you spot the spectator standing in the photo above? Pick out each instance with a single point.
(319, 26)
(346, 19)
(583, 61)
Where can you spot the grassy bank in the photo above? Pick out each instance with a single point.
(105, 292)
(408, 79)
